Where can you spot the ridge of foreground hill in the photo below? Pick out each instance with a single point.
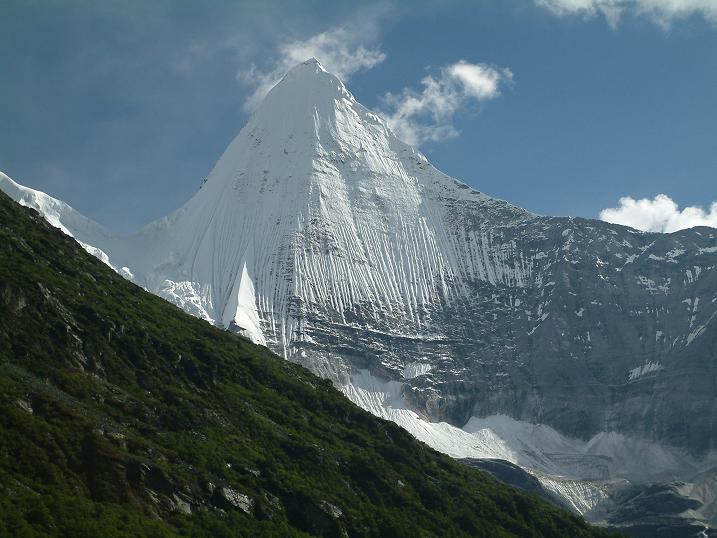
(120, 415)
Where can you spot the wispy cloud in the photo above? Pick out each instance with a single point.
(662, 12)
(661, 214)
(343, 51)
(420, 116)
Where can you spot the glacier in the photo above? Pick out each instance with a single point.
(580, 350)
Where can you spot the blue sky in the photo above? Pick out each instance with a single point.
(121, 108)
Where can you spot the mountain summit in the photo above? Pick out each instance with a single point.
(577, 349)
(315, 204)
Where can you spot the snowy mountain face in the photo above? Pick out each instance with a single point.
(580, 350)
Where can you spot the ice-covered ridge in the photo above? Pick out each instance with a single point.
(86, 232)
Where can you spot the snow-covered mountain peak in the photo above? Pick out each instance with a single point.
(306, 97)
(308, 83)
(314, 202)
(310, 137)
(323, 236)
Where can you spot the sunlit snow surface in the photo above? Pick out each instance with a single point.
(335, 212)
(318, 223)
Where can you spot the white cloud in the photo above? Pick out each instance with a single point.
(662, 12)
(343, 51)
(417, 117)
(660, 214)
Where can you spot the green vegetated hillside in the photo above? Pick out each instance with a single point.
(120, 415)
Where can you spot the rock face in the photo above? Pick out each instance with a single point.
(321, 235)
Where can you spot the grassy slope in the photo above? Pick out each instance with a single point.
(118, 412)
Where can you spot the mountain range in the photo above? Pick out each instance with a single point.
(581, 351)
(122, 416)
